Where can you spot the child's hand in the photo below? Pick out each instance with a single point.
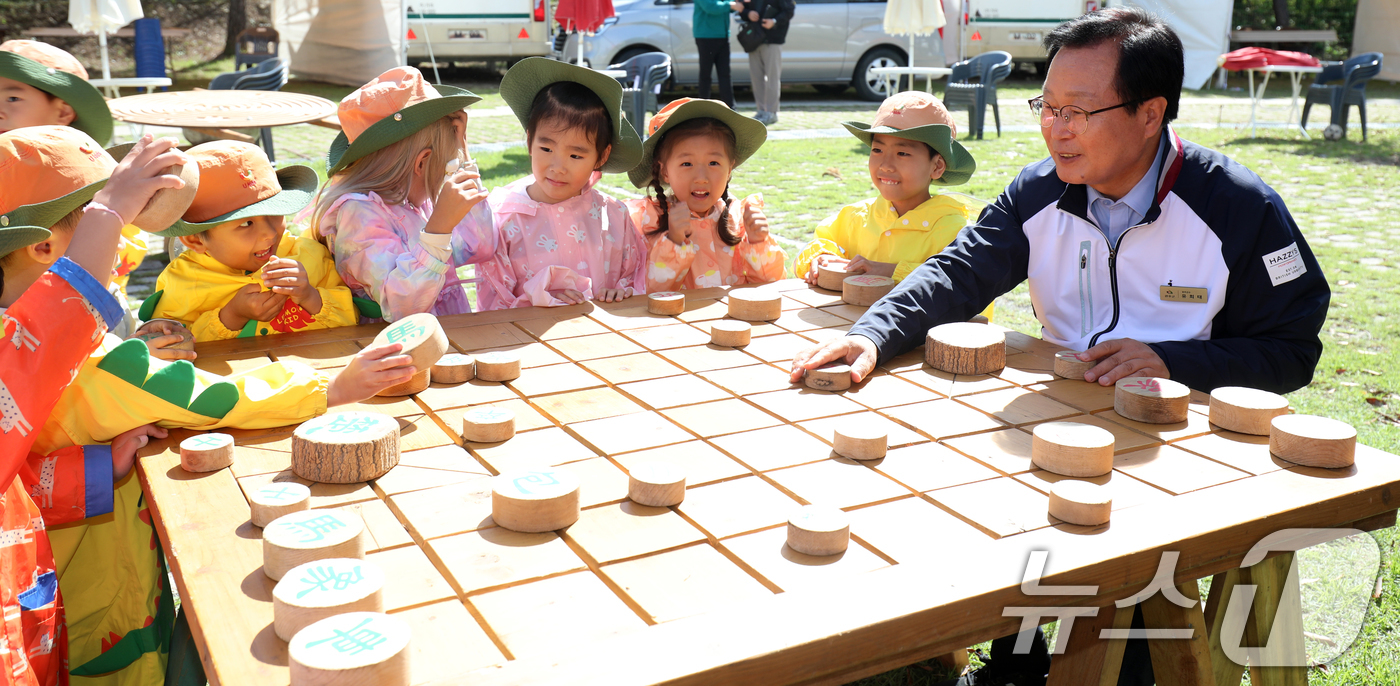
(864, 266)
(369, 372)
(678, 223)
(612, 295)
(251, 304)
(159, 337)
(288, 277)
(755, 221)
(570, 296)
(461, 191)
(125, 445)
(139, 176)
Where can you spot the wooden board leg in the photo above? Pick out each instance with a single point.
(955, 661)
(1179, 662)
(1227, 672)
(1277, 621)
(1086, 658)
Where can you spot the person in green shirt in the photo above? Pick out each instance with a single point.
(710, 25)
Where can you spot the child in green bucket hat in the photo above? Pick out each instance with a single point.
(913, 146)
(559, 240)
(403, 207)
(698, 235)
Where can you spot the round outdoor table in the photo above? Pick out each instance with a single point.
(221, 109)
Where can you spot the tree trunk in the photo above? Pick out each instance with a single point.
(237, 22)
(1281, 13)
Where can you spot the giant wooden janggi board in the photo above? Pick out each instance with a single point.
(706, 590)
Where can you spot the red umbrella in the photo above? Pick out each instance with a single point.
(584, 16)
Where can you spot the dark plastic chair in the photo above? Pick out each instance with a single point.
(645, 74)
(268, 75)
(254, 46)
(973, 84)
(1341, 85)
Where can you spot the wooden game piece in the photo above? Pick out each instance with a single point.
(352, 649)
(1068, 366)
(860, 440)
(731, 333)
(454, 368)
(488, 424)
(345, 447)
(1313, 441)
(316, 590)
(422, 338)
(301, 537)
(1072, 449)
(498, 366)
(1245, 410)
(415, 384)
(862, 290)
(206, 452)
(755, 304)
(169, 204)
(831, 278)
(276, 499)
(1151, 400)
(669, 303)
(535, 500)
(819, 530)
(656, 483)
(832, 377)
(1080, 502)
(965, 348)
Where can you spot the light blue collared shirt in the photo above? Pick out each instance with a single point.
(1115, 217)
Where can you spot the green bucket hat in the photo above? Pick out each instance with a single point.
(920, 117)
(61, 75)
(392, 107)
(749, 133)
(236, 181)
(531, 75)
(35, 163)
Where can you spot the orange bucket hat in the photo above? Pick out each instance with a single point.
(61, 75)
(392, 107)
(921, 117)
(236, 181)
(47, 172)
(749, 133)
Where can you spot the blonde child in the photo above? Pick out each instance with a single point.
(559, 240)
(41, 85)
(237, 246)
(399, 224)
(913, 146)
(699, 236)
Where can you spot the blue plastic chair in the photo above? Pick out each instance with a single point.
(973, 84)
(1341, 85)
(268, 75)
(645, 74)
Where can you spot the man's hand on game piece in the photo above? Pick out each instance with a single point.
(251, 304)
(289, 277)
(1121, 358)
(370, 371)
(857, 351)
(160, 335)
(864, 266)
(125, 445)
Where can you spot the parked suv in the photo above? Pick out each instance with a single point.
(831, 43)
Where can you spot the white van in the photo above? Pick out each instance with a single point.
(476, 30)
(1019, 26)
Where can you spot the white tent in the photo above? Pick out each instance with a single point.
(1378, 30)
(341, 41)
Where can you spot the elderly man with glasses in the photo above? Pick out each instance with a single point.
(1151, 255)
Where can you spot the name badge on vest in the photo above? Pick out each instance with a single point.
(1183, 294)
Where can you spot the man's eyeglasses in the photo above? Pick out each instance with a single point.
(1076, 119)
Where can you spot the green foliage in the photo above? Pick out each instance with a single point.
(1338, 15)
